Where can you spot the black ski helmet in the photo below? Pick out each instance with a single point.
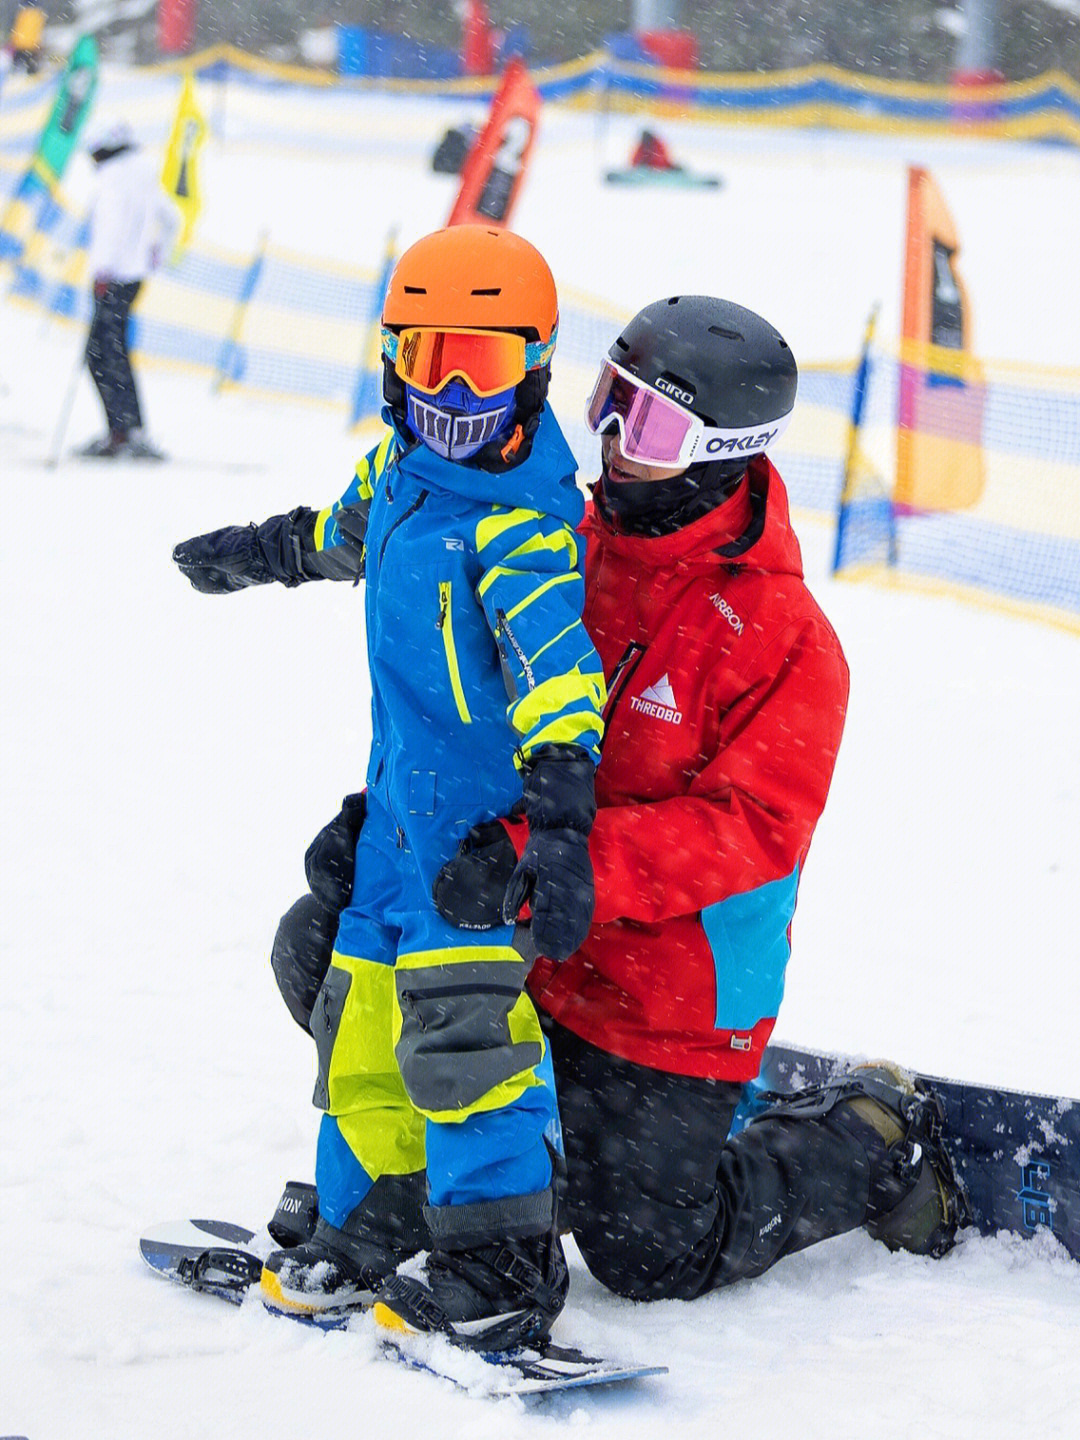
(725, 364)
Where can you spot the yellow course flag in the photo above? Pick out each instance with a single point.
(180, 175)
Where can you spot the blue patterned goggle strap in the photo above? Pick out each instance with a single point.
(537, 353)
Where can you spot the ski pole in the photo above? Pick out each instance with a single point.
(65, 413)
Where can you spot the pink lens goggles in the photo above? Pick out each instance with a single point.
(652, 429)
(656, 430)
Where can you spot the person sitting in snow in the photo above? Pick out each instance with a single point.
(486, 691)
(727, 697)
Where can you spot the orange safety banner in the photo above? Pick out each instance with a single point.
(495, 166)
(939, 448)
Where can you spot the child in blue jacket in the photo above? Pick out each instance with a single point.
(486, 693)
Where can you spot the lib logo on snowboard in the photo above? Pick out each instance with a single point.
(1034, 1198)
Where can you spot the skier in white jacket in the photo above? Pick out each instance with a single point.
(133, 225)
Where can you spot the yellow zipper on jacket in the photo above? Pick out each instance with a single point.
(446, 625)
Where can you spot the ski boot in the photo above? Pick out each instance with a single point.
(137, 447)
(482, 1293)
(916, 1201)
(105, 447)
(296, 1215)
(333, 1269)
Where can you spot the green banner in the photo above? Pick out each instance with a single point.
(61, 133)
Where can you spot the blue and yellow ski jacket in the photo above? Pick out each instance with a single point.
(477, 653)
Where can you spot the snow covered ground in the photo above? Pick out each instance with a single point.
(167, 757)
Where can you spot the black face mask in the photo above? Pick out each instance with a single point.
(660, 507)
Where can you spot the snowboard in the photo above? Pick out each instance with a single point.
(217, 1258)
(1017, 1155)
(666, 179)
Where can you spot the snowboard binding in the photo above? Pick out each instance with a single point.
(917, 1200)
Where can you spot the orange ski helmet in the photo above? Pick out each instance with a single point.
(465, 280)
(474, 277)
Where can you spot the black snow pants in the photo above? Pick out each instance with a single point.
(662, 1205)
(107, 356)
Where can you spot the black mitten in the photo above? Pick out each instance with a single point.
(301, 955)
(554, 875)
(470, 887)
(330, 861)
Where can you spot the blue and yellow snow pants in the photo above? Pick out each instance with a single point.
(430, 1053)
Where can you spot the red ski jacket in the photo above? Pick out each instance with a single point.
(727, 692)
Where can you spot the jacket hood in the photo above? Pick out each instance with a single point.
(544, 481)
(751, 530)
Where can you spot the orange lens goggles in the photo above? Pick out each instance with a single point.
(489, 361)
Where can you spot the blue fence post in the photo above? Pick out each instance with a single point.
(851, 462)
(230, 365)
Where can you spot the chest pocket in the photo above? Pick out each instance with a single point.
(446, 629)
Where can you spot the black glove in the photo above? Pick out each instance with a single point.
(470, 887)
(242, 555)
(555, 873)
(331, 857)
(223, 561)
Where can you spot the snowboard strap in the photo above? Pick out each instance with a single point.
(219, 1266)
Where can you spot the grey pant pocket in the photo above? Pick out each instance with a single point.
(325, 1023)
(455, 1041)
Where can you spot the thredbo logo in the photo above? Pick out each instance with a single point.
(1034, 1197)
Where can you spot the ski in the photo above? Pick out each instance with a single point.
(215, 1257)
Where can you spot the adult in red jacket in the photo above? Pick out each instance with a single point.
(727, 694)
(728, 701)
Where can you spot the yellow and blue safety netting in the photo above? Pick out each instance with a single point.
(288, 326)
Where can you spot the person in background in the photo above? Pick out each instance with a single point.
(727, 693)
(133, 225)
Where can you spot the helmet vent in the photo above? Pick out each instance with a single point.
(725, 334)
(487, 292)
(414, 290)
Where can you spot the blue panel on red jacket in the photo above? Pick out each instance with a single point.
(748, 936)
